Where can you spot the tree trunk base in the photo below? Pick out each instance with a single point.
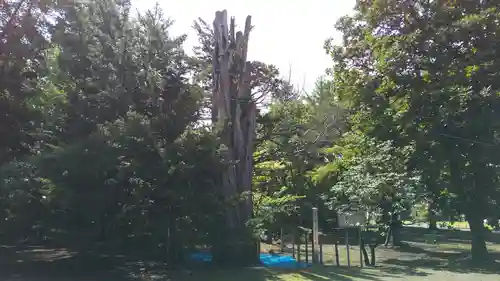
(479, 252)
(237, 254)
(366, 258)
(486, 262)
(433, 226)
(236, 248)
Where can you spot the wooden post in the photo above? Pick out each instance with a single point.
(293, 244)
(298, 249)
(320, 253)
(313, 251)
(307, 247)
(337, 253)
(315, 237)
(372, 252)
(282, 245)
(360, 248)
(347, 248)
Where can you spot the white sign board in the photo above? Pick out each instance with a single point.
(352, 219)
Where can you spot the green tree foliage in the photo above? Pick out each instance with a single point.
(23, 24)
(123, 163)
(115, 153)
(106, 146)
(123, 65)
(291, 139)
(421, 73)
(369, 174)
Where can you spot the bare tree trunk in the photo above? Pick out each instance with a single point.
(234, 114)
(366, 258)
(478, 244)
(431, 213)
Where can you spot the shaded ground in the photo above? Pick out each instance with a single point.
(41, 264)
(414, 261)
(340, 274)
(416, 234)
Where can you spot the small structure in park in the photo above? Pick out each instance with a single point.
(352, 230)
(353, 218)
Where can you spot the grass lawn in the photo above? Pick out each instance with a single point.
(414, 261)
(455, 224)
(341, 274)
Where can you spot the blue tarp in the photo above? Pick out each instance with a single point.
(268, 260)
(281, 261)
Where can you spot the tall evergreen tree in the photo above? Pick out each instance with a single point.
(24, 25)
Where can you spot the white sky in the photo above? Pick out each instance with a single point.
(286, 34)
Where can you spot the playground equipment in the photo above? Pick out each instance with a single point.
(305, 244)
(309, 244)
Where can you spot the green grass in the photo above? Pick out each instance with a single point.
(416, 261)
(455, 224)
(264, 274)
(333, 273)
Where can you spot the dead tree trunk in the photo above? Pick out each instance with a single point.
(234, 114)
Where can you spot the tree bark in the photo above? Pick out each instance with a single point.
(432, 224)
(366, 258)
(479, 251)
(393, 232)
(431, 211)
(372, 251)
(388, 236)
(234, 114)
(396, 241)
(472, 201)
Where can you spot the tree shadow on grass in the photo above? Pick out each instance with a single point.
(409, 270)
(336, 273)
(315, 273)
(356, 273)
(230, 274)
(454, 260)
(38, 263)
(417, 234)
